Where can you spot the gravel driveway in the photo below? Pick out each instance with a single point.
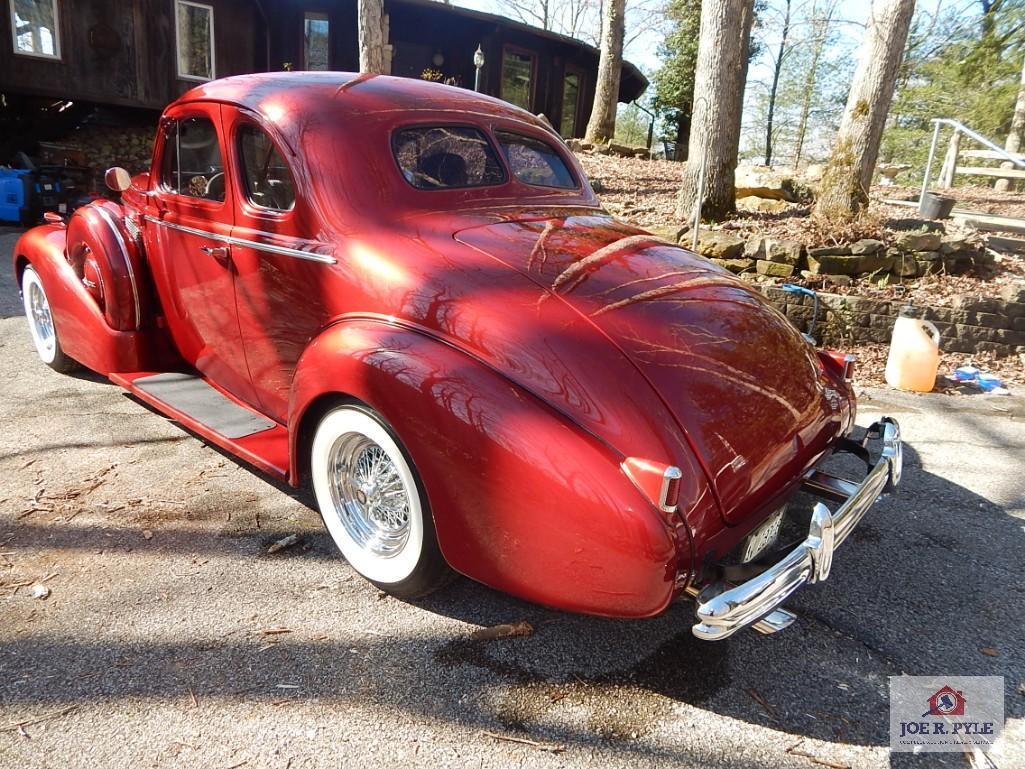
(171, 638)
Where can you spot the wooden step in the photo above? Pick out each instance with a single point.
(989, 155)
(985, 222)
(1002, 173)
(214, 415)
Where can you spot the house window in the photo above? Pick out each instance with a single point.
(194, 31)
(316, 41)
(518, 77)
(34, 26)
(570, 104)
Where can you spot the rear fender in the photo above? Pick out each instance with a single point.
(82, 328)
(523, 500)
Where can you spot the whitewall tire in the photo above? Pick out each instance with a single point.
(41, 324)
(373, 503)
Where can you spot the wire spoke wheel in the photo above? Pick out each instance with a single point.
(369, 496)
(373, 504)
(40, 323)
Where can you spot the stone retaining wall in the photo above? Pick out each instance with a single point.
(973, 324)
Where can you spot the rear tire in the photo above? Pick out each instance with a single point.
(373, 503)
(41, 325)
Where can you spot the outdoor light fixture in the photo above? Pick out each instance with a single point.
(478, 62)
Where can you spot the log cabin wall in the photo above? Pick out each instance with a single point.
(122, 52)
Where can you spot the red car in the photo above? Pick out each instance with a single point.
(408, 296)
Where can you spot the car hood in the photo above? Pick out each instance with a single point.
(748, 392)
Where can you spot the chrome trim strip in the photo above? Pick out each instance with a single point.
(724, 609)
(105, 215)
(231, 240)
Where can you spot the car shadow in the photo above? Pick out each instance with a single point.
(889, 608)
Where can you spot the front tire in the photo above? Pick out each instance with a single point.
(373, 504)
(41, 325)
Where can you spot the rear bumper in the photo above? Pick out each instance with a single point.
(723, 609)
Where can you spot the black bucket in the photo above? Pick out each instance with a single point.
(935, 206)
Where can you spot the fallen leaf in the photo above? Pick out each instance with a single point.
(276, 630)
(498, 632)
(284, 542)
(989, 651)
(147, 534)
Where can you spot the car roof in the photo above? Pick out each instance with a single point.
(371, 95)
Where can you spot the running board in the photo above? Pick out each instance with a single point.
(214, 415)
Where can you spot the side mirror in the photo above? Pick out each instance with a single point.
(117, 179)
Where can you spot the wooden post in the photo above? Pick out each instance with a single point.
(946, 180)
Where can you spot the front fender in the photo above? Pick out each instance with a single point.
(523, 500)
(81, 327)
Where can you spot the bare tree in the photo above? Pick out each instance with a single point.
(819, 35)
(718, 96)
(602, 125)
(777, 67)
(851, 164)
(1013, 143)
(372, 37)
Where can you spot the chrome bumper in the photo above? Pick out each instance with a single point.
(724, 609)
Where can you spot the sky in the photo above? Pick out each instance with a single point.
(644, 50)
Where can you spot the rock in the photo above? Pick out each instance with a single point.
(720, 245)
(917, 225)
(919, 241)
(576, 145)
(642, 155)
(904, 265)
(814, 172)
(736, 266)
(867, 246)
(838, 264)
(839, 280)
(888, 171)
(829, 251)
(783, 251)
(929, 266)
(774, 269)
(1014, 292)
(764, 182)
(977, 304)
(40, 591)
(755, 204)
(671, 232)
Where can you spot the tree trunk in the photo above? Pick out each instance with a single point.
(777, 68)
(602, 125)
(370, 20)
(718, 96)
(820, 35)
(849, 170)
(1013, 143)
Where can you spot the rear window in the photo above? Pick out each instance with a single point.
(445, 157)
(532, 161)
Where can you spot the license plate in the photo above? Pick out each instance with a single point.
(762, 538)
(62, 208)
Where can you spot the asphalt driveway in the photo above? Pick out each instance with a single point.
(171, 638)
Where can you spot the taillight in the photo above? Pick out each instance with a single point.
(842, 363)
(658, 482)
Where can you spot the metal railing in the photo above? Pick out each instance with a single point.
(959, 128)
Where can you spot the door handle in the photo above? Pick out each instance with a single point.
(220, 253)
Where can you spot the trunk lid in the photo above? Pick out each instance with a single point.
(747, 390)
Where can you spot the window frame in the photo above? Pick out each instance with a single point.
(318, 16)
(167, 142)
(498, 130)
(241, 180)
(178, 42)
(580, 98)
(56, 55)
(532, 96)
(497, 152)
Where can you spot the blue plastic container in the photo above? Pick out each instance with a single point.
(14, 188)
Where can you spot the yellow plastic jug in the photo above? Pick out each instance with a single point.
(914, 353)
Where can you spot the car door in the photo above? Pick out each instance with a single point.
(280, 281)
(192, 232)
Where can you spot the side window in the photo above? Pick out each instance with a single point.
(532, 161)
(265, 175)
(440, 157)
(192, 164)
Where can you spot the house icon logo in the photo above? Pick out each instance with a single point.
(946, 702)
